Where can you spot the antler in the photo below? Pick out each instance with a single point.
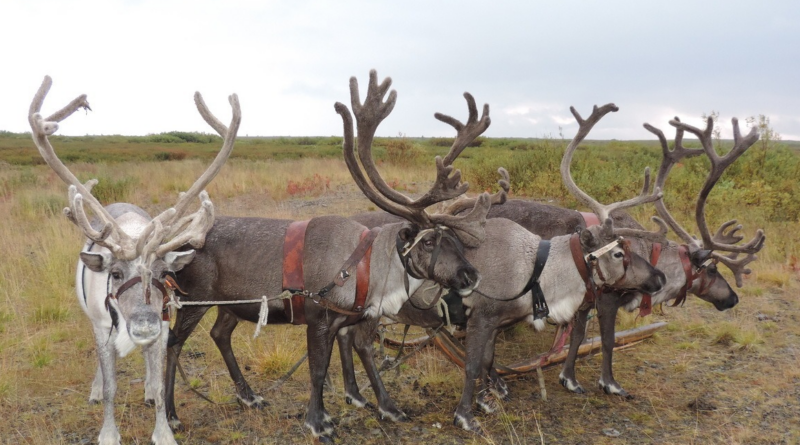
(170, 224)
(602, 211)
(718, 166)
(670, 158)
(447, 186)
(737, 266)
(495, 199)
(111, 235)
(191, 229)
(724, 239)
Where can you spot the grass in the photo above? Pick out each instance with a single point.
(747, 367)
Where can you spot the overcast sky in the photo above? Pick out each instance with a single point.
(140, 62)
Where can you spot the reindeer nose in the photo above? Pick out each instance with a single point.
(144, 328)
(470, 277)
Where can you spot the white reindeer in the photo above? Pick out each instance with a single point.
(126, 249)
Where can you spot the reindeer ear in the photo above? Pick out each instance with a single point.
(699, 257)
(178, 260)
(96, 262)
(607, 231)
(588, 240)
(408, 233)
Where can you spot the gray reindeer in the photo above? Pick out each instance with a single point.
(686, 266)
(129, 257)
(241, 259)
(507, 261)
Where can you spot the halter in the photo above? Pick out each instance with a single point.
(136, 280)
(404, 248)
(588, 263)
(693, 273)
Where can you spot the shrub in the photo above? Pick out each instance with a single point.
(401, 151)
(171, 155)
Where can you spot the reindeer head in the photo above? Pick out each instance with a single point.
(430, 245)
(140, 253)
(699, 258)
(617, 267)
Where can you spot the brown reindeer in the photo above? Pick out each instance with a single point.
(126, 248)
(241, 258)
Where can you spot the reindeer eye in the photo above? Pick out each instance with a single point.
(115, 274)
(428, 243)
(619, 255)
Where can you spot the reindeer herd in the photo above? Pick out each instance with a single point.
(507, 260)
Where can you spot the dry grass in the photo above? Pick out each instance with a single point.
(740, 368)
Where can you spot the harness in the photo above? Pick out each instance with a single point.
(403, 248)
(691, 275)
(646, 306)
(293, 281)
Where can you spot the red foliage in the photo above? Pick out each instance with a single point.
(314, 186)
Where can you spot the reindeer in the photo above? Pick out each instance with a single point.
(125, 248)
(506, 294)
(685, 266)
(241, 257)
(689, 267)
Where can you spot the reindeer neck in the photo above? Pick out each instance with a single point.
(563, 287)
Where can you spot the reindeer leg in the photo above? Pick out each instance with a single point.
(320, 346)
(485, 401)
(497, 384)
(106, 354)
(567, 375)
(607, 314)
(152, 381)
(478, 336)
(154, 358)
(221, 333)
(345, 338)
(364, 335)
(96, 396)
(185, 322)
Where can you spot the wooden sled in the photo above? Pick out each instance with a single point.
(453, 349)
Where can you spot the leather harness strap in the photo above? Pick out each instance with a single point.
(362, 270)
(133, 282)
(293, 245)
(583, 269)
(293, 281)
(646, 306)
(686, 262)
(688, 269)
(540, 309)
(590, 219)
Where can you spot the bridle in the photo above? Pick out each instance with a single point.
(692, 273)
(170, 283)
(588, 264)
(404, 248)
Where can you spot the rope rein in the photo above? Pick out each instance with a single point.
(263, 312)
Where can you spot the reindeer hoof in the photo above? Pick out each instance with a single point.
(358, 401)
(470, 424)
(176, 426)
(500, 390)
(615, 390)
(95, 401)
(149, 403)
(255, 402)
(393, 414)
(325, 439)
(571, 385)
